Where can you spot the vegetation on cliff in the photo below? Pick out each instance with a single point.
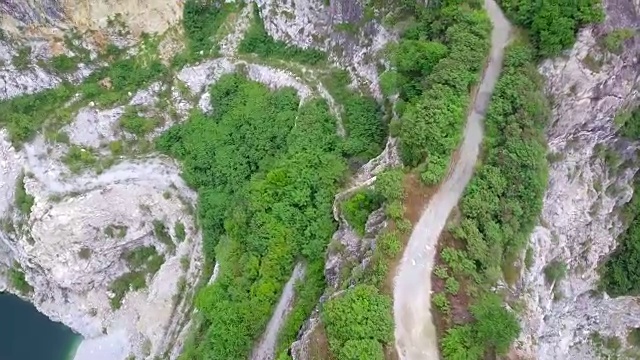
(553, 25)
(620, 273)
(438, 61)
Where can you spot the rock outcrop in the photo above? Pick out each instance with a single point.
(579, 222)
(316, 24)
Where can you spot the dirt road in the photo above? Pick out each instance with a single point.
(266, 348)
(415, 333)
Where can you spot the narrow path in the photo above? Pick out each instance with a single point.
(267, 346)
(415, 332)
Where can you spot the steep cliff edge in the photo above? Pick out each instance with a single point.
(580, 220)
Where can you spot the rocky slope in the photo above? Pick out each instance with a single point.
(316, 23)
(579, 222)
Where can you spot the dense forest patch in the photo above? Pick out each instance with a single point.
(266, 191)
(438, 61)
(553, 25)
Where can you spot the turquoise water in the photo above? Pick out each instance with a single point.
(26, 334)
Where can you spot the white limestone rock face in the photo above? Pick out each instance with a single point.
(70, 260)
(314, 24)
(580, 217)
(61, 244)
(94, 127)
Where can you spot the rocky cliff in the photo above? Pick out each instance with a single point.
(580, 220)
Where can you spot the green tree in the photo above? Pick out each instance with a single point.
(361, 313)
(495, 327)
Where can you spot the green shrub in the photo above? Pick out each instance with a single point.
(633, 337)
(116, 231)
(620, 273)
(389, 184)
(24, 115)
(414, 60)
(22, 59)
(137, 125)
(614, 40)
(131, 281)
(23, 200)
(629, 122)
(179, 231)
(200, 21)
(493, 331)
(459, 343)
(438, 83)
(18, 280)
(124, 76)
(142, 262)
(394, 210)
(441, 303)
(452, 286)
(64, 64)
(389, 83)
(138, 257)
(555, 271)
(441, 272)
(360, 313)
(78, 158)
(366, 131)
(358, 207)
(389, 243)
(161, 233)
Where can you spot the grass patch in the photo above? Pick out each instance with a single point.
(179, 231)
(85, 253)
(135, 124)
(18, 280)
(160, 231)
(614, 40)
(593, 64)
(78, 159)
(22, 59)
(142, 262)
(24, 115)
(63, 64)
(24, 201)
(116, 231)
(358, 207)
(555, 271)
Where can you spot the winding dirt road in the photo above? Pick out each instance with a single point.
(415, 332)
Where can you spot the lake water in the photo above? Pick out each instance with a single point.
(26, 334)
